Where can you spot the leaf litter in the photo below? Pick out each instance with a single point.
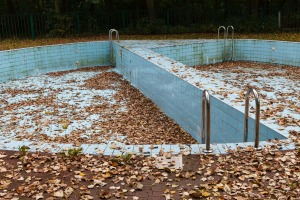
(278, 87)
(86, 106)
(240, 174)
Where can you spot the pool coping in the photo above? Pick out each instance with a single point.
(114, 148)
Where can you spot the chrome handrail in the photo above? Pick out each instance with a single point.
(232, 40)
(110, 33)
(219, 31)
(206, 121)
(224, 51)
(257, 117)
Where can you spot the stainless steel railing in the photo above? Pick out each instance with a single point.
(257, 117)
(111, 31)
(232, 40)
(110, 34)
(205, 135)
(224, 48)
(221, 27)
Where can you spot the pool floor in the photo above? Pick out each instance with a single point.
(278, 87)
(90, 106)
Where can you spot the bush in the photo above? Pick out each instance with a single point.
(60, 25)
(147, 26)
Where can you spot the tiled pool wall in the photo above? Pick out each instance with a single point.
(268, 51)
(147, 70)
(208, 52)
(24, 62)
(179, 99)
(211, 51)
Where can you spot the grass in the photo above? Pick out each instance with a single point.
(23, 43)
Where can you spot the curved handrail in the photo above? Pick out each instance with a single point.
(227, 31)
(206, 118)
(257, 116)
(110, 33)
(232, 40)
(224, 48)
(221, 27)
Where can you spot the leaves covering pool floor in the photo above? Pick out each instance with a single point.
(91, 106)
(278, 87)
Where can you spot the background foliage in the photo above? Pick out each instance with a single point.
(32, 18)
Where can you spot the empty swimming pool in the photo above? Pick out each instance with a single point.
(165, 73)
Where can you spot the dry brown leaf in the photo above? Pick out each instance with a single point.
(59, 193)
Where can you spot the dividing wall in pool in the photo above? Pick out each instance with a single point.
(24, 62)
(149, 71)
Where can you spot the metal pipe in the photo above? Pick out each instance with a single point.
(232, 40)
(110, 33)
(257, 116)
(206, 122)
(221, 27)
(224, 51)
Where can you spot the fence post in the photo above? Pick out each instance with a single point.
(77, 24)
(123, 19)
(279, 20)
(261, 19)
(32, 27)
(168, 21)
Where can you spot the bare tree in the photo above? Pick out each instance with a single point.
(151, 9)
(57, 4)
(10, 6)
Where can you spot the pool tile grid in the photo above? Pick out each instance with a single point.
(194, 148)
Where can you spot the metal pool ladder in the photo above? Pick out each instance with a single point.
(257, 117)
(110, 34)
(226, 31)
(206, 122)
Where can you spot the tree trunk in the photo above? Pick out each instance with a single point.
(188, 11)
(267, 6)
(10, 7)
(226, 10)
(108, 5)
(41, 5)
(255, 9)
(57, 4)
(66, 6)
(151, 9)
(249, 7)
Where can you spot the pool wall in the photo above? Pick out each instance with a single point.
(268, 51)
(24, 62)
(211, 51)
(180, 100)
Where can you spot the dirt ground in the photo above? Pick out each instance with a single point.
(242, 174)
